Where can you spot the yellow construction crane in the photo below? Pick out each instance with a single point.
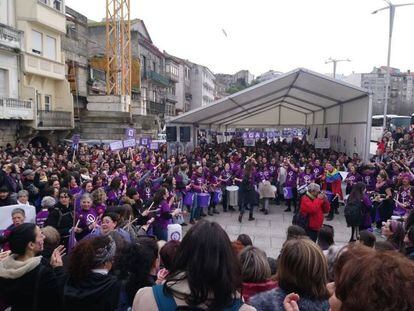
(118, 48)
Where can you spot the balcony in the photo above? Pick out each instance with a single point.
(11, 108)
(171, 98)
(42, 66)
(172, 77)
(154, 108)
(157, 78)
(10, 37)
(54, 119)
(49, 14)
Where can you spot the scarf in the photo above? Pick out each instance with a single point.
(333, 176)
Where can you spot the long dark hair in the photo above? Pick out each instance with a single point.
(205, 259)
(135, 263)
(159, 196)
(357, 193)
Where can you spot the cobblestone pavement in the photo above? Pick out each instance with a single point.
(268, 232)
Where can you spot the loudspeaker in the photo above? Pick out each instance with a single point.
(185, 134)
(171, 133)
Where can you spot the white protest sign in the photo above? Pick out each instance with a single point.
(322, 143)
(116, 145)
(5, 214)
(250, 142)
(129, 143)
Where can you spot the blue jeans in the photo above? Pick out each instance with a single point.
(195, 210)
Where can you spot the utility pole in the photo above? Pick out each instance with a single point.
(334, 62)
(390, 7)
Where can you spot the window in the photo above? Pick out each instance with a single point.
(50, 48)
(57, 4)
(154, 66)
(71, 31)
(48, 102)
(187, 73)
(37, 46)
(154, 96)
(4, 83)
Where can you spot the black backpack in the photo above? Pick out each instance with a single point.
(353, 214)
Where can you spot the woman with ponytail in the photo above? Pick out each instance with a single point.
(90, 286)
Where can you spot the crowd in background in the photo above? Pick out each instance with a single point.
(102, 217)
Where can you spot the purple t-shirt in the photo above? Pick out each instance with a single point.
(352, 178)
(291, 178)
(159, 220)
(41, 217)
(370, 180)
(305, 178)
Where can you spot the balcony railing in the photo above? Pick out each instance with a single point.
(44, 67)
(157, 78)
(171, 97)
(155, 108)
(172, 77)
(11, 108)
(54, 119)
(10, 36)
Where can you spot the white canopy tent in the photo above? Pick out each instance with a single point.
(300, 98)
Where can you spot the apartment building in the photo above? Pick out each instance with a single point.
(202, 82)
(13, 111)
(43, 80)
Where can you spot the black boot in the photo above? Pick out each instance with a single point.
(240, 217)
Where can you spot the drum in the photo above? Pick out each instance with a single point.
(302, 189)
(203, 200)
(329, 195)
(188, 199)
(232, 195)
(217, 195)
(287, 193)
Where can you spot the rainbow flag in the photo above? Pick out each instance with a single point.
(333, 176)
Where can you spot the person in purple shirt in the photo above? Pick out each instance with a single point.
(369, 177)
(404, 200)
(47, 203)
(306, 177)
(164, 213)
(114, 194)
(352, 178)
(318, 171)
(292, 182)
(87, 217)
(198, 185)
(226, 180)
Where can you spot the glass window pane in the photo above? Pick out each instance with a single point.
(36, 42)
(50, 48)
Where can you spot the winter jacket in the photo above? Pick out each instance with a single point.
(314, 208)
(18, 281)
(251, 289)
(97, 292)
(272, 300)
(61, 218)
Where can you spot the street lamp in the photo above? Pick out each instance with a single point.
(390, 7)
(335, 61)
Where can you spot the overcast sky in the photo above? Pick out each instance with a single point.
(273, 34)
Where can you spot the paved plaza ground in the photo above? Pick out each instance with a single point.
(268, 232)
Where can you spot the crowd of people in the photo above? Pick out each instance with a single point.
(100, 238)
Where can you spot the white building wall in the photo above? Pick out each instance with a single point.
(8, 62)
